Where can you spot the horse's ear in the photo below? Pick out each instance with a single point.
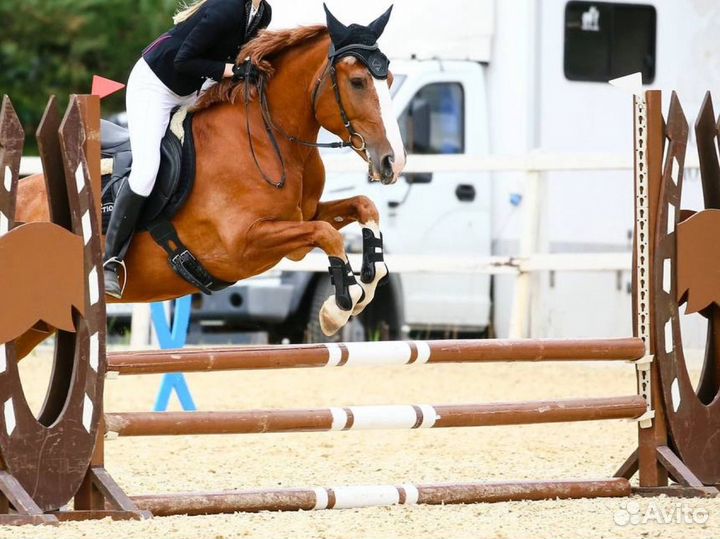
(377, 27)
(338, 31)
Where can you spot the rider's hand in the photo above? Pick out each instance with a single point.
(229, 71)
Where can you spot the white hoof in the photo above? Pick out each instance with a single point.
(332, 317)
(381, 272)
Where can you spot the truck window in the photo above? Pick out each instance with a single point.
(434, 123)
(604, 41)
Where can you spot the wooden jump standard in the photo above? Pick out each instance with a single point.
(674, 250)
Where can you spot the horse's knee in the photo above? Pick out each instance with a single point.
(326, 237)
(366, 210)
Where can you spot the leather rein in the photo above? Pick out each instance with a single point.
(270, 127)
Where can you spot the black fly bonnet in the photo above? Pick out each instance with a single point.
(360, 42)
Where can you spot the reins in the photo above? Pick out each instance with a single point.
(270, 127)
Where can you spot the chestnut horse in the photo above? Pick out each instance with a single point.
(237, 223)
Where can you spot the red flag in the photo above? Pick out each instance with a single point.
(103, 87)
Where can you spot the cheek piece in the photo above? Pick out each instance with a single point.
(378, 64)
(369, 55)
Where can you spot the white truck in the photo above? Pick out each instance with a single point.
(510, 77)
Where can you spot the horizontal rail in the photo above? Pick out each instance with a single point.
(372, 417)
(374, 354)
(531, 162)
(494, 265)
(253, 501)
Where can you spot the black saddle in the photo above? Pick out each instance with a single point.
(172, 188)
(174, 181)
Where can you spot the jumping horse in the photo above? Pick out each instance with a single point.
(259, 176)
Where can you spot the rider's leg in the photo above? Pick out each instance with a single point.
(149, 104)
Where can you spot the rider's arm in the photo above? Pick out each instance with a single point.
(218, 19)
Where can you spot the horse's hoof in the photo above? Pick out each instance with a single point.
(332, 317)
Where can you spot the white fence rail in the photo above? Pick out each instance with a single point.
(496, 265)
(531, 162)
(527, 261)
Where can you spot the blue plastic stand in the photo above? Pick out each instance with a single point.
(173, 338)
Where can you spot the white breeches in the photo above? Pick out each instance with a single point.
(148, 103)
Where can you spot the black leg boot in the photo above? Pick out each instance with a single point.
(120, 230)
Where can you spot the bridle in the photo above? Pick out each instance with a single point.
(355, 140)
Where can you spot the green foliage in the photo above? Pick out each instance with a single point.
(56, 46)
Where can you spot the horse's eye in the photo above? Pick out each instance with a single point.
(357, 83)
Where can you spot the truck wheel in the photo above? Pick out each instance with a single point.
(353, 331)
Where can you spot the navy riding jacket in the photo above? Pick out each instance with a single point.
(199, 48)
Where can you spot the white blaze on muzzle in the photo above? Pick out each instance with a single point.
(392, 129)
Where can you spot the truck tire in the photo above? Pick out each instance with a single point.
(354, 330)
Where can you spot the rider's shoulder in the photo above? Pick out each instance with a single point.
(227, 4)
(233, 9)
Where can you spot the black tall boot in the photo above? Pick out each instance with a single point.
(119, 232)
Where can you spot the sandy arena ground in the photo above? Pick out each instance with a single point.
(589, 450)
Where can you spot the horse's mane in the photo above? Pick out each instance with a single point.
(260, 50)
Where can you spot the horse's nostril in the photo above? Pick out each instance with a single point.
(387, 163)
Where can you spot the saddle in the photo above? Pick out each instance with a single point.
(175, 178)
(172, 189)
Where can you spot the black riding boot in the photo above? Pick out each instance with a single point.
(119, 232)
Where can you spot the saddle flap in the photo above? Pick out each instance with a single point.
(175, 178)
(167, 180)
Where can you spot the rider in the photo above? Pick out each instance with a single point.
(203, 44)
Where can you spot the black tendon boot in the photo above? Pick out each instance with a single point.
(119, 232)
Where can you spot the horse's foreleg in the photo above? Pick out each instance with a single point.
(273, 240)
(360, 209)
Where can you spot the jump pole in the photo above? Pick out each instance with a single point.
(313, 499)
(373, 417)
(369, 354)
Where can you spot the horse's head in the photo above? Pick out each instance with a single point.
(359, 85)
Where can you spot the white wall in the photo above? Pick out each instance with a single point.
(533, 106)
(595, 211)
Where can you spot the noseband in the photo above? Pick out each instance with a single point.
(377, 64)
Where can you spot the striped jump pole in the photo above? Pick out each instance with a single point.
(372, 417)
(253, 501)
(375, 354)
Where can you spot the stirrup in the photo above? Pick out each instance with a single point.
(121, 263)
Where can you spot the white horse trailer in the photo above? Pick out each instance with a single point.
(510, 77)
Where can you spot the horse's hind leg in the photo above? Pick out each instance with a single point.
(362, 210)
(273, 240)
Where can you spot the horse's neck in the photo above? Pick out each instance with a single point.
(290, 90)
